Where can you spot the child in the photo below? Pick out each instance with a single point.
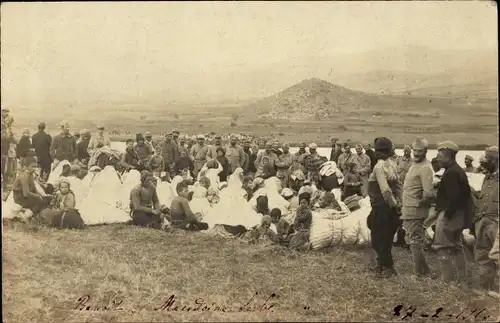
(282, 226)
(222, 159)
(248, 186)
(352, 182)
(261, 231)
(62, 213)
(157, 163)
(180, 212)
(302, 225)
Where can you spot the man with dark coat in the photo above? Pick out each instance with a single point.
(452, 207)
(370, 153)
(336, 150)
(41, 142)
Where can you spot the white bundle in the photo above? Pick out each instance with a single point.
(337, 192)
(275, 200)
(365, 203)
(79, 189)
(56, 173)
(11, 209)
(232, 209)
(273, 183)
(235, 179)
(173, 185)
(351, 229)
(100, 212)
(199, 203)
(130, 180)
(89, 177)
(164, 192)
(476, 181)
(101, 203)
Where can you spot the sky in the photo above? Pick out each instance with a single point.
(130, 48)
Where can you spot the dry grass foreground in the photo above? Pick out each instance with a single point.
(134, 270)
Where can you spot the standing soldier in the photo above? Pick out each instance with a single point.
(418, 194)
(212, 150)
(63, 146)
(452, 206)
(235, 154)
(199, 154)
(283, 163)
(363, 168)
(404, 163)
(170, 153)
(487, 220)
(469, 168)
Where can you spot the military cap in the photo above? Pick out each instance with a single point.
(469, 157)
(447, 144)
(492, 151)
(313, 146)
(420, 143)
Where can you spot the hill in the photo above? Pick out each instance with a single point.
(318, 99)
(309, 98)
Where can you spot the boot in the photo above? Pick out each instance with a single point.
(375, 268)
(461, 264)
(387, 272)
(446, 265)
(420, 266)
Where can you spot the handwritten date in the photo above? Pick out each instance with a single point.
(477, 314)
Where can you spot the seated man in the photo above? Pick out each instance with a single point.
(24, 190)
(181, 215)
(144, 203)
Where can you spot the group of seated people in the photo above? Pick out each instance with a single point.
(146, 210)
(54, 207)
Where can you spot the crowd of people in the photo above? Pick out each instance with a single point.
(408, 193)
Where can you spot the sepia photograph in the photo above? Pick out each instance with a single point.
(250, 161)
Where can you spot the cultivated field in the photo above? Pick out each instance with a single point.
(471, 123)
(45, 272)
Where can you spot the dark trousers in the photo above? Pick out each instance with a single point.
(45, 168)
(33, 203)
(197, 226)
(145, 219)
(383, 223)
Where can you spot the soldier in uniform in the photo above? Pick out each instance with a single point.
(486, 225)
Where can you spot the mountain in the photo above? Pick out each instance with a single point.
(310, 98)
(424, 71)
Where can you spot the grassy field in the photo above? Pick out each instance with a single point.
(134, 271)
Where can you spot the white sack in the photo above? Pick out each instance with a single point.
(351, 229)
(101, 203)
(273, 183)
